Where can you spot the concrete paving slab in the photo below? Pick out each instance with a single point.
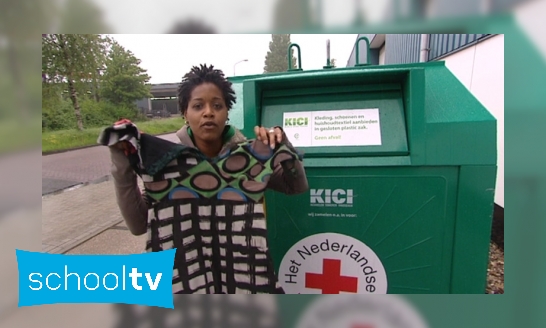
(71, 217)
(112, 241)
(19, 173)
(18, 230)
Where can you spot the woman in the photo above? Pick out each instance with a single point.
(204, 196)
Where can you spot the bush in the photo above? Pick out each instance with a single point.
(58, 116)
(94, 114)
(103, 113)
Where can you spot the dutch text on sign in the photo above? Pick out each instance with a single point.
(143, 279)
(345, 127)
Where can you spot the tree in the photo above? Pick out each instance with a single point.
(276, 59)
(124, 80)
(191, 26)
(71, 59)
(290, 15)
(97, 65)
(82, 16)
(20, 24)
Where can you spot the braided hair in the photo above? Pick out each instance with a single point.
(204, 74)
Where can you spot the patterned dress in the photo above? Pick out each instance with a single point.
(210, 210)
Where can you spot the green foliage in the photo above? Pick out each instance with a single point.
(7, 101)
(276, 59)
(38, 17)
(60, 115)
(89, 80)
(82, 16)
(74, 59)
(104, 113)
(124, 80)
(20, 24)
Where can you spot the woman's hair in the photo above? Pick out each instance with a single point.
(204, 74)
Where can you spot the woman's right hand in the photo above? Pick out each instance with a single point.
(123, 145)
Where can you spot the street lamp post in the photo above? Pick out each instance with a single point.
(240, 61)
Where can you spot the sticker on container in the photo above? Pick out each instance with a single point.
(361, 311)
(332, 263)
(348, 127)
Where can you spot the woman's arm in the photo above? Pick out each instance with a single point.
(131, 202)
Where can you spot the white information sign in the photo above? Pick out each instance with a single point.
(348, 127)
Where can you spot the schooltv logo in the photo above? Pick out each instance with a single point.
(142, 279)
(331, 197)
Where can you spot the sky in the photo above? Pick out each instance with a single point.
(234, 16)
(167, 57)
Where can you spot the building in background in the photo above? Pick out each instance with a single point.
(164, 101)
(477, 60)
(404, 10)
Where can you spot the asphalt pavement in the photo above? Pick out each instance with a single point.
(79, 210)
(77, 167)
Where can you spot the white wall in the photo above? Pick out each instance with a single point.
(481, 69)
(382, 55)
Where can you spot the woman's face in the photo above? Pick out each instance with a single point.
(207, 113)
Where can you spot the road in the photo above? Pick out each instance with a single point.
(63, 170)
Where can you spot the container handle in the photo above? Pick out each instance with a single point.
(290, 57)
(358, 52)
(328, 62)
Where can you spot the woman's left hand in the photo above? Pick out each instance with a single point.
(270, 136)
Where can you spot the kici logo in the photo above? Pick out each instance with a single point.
(329, 196)
(296, 121)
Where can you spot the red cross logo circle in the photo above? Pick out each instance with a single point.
(360, 311)
(331, 263)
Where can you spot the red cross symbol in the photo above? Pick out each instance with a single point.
(331, 281)
(362, 326)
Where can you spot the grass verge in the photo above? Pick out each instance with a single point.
(17, 134)
(69, 139)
